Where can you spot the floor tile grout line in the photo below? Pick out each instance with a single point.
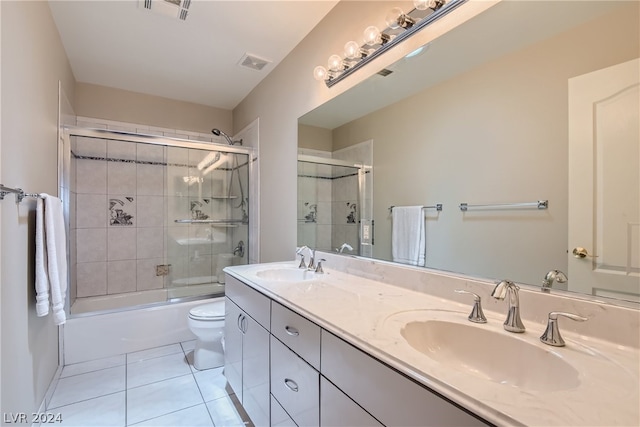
(84, 400)
(193, 374)
(126, 390)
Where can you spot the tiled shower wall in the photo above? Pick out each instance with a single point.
(122, 216)
(119, 216)
(329, 211)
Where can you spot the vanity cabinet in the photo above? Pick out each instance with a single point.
(314, 378)
(247, 315)
(371, 384)
(337, 409)
(295, 384)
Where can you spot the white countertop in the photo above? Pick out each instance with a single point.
(370, 315)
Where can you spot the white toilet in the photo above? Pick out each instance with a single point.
(206, 321)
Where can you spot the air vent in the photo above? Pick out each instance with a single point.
(172, 8)
(254, 62)
(384, 72)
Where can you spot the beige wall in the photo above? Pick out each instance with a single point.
(495, 134)
(315, 138)
(132, 107)
(33, 61)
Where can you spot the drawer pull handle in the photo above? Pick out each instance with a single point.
(291, 384)
(292, 331)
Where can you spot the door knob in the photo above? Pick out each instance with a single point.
(580, 252)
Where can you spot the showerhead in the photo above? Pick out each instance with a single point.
(218, 132)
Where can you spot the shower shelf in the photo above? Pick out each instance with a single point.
(220, 222)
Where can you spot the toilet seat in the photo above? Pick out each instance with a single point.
(211, 311)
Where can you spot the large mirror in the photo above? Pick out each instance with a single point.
(528, 101)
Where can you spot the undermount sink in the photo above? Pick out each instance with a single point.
(491, 355)
(287, 274)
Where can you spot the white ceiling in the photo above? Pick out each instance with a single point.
(118, 43)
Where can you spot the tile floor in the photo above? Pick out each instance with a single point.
(155, 387)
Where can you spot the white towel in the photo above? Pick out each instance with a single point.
(51, 258)
(408, 240)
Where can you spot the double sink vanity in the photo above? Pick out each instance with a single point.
(373, 343)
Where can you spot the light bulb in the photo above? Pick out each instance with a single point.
(320, 73)
(352, 50)
(428, 4)
(396, 18)
(335, 63)
(421, 4)
(372, 35)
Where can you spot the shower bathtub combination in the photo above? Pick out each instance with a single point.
(152, 222)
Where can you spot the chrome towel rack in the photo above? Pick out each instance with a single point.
(437, 207)
(540, 204)
(20, 194)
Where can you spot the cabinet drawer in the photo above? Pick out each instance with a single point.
(279, 417)
(337, 410)
(295, 384)
(299, 334)
(371, 384)
(248, 299)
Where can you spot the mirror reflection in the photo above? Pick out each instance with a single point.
(527, 102)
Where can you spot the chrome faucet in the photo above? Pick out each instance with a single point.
(548, 280)
(239, 249)
(343, 247)
(513, 323)
(312, 254)
(551, 335)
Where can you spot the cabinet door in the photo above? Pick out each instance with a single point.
(389, 396)
(337, 410)
(279, 417)
(233, 346)
(255, 371)
(295, 384)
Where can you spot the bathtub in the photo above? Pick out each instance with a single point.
(102, 335)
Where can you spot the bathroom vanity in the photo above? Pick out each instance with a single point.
(371, 343)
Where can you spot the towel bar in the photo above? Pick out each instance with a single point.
(437, 207)
(540, 204)
(20, 194)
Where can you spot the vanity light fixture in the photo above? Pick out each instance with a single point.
(401, 26)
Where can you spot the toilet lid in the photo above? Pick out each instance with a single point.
(211, 311)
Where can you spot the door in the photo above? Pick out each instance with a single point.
(604, 182)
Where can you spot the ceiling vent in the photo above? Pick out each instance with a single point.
(172, 8)
(254, 62)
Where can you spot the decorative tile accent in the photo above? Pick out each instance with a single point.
(118, 216)
(352, 215)
(312, 212)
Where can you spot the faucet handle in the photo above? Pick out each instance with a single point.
(319, 266)
(302, 263)
(476, 316)
(551, 335)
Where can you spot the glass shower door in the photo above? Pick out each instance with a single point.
(207, 219)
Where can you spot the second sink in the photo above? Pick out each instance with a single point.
(490, 355)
